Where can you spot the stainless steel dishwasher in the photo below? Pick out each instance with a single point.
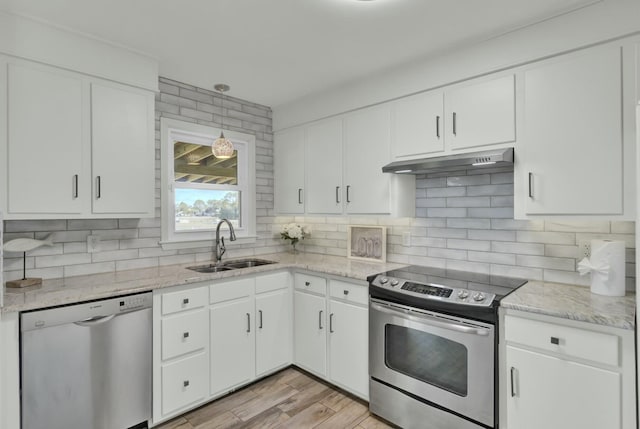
(87, 365)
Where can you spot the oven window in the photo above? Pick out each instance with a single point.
(427, 357)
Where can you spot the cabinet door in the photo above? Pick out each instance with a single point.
(349, 347)
(47, 165)
(122, 147)
(232, 344)
(367, 149)
(273, 330)
(481, 114)
(573, 135)
(324, 167)
(549, 392)
(418, 125)
(310, 338)
(288, 171)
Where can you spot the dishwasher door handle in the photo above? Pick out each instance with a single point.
(93, 321)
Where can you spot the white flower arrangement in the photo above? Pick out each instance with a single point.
(294, 232)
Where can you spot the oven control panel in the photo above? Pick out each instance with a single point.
(435, 291)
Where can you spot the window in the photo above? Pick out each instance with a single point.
(199, 189)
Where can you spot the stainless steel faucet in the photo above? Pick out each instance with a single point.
(220, 249)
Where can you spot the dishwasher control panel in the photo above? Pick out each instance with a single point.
(127, 303)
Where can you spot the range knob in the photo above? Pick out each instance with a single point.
(383, 280)
(478, 297)
(463, 294)
(394, 282)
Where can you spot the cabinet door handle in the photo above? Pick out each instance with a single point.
(260, 314)
(348, 188)
(320, 320)
(337, 194)
(530, 185)
(248, 322)
(98, 187)
(185, 301)
(75, 186)
(455, 124)
(438, 126)
(185, 335)
(331, 323)
(513, 382)
(299, 195)
(185, 383)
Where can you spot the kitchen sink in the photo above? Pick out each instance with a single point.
(230, 265)
(246, 263)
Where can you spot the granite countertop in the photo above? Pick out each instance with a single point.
(573, 302)
(97, 286)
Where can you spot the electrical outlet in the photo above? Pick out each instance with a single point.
(93, 243)
(406, 238)
(584, 249)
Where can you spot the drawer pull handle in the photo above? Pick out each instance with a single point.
(513, 382)
(185, 301)
(185, 335)
(307, 283)
(185, 383)
(555, 340)
(346, 292)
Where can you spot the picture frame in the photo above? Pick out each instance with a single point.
(367, 243)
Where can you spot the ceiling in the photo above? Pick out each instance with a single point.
(273, 52)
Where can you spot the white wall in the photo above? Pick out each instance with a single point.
(602, 21)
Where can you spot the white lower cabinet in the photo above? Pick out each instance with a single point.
(232, 334)
(332, 331)
(565, 374)
(211, 338)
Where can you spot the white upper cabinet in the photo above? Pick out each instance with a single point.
(324, 167)
(366, 141)
(418, 124)
(122, 149)
(47, 168)
(288, 171)
(575, 153)
(481, 112)
(76, 147)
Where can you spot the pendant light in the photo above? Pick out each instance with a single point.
(222, 148)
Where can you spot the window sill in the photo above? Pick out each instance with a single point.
(177, 245)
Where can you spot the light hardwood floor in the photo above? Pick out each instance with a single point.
(288, 399)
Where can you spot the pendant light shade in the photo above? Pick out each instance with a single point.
(222, 148)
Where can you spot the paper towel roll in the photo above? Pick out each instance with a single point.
(611, 253)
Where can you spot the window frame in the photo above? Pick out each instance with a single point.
(172, 130)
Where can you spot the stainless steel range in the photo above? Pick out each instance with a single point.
(433, 347)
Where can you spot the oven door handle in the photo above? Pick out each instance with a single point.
(429, 320)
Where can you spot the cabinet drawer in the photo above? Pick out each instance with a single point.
(233, 289)
(349, 292)
(271, 282)
(184, 382)
(173, 302)
(311, 283)
(574, 342)
(184, 333)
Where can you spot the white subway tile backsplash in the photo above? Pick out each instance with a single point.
(476, 267)
(86, 269)
(515, 271)
(494, 212)
(478, 245)
(490, 190)
(89, 224)
(517, 248)
(546, 237)
(62, 260)
(523, 225)
(469, 223)
(468, 202)
(619, 227)
(491, 234)
(446, 233)
(436, 252)
(35, 225)
(480, 179)
(448, 212)
(492, 258)
(546, 262)
(578, 226)
(561, 251)
(446, 192)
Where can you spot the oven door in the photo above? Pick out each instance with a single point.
(445, 360)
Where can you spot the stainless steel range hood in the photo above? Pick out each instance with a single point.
(486, 158)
